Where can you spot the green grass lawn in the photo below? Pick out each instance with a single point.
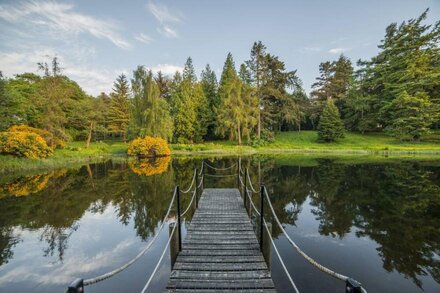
(295, 143)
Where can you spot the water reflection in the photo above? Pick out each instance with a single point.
(396, 206)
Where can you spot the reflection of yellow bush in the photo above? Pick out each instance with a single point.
(50, 139)
(150, 167)
(24, 144)
(30, 184)
(149, 147)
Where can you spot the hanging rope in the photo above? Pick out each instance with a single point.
(220, 169)
(311, 260)
(160, 260)
(279, 257)
(192, 182)
(126, 265)
(250, 183)
(228, 175)
(189, 205)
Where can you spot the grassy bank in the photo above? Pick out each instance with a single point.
(306, 142)
(294, 143)
(75, 153)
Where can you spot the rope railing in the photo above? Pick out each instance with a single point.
(219, 169)
(220, 176)
(250, 183)
(78, 284)
(280, 258)
(160, 260)
(137, 257)
(302, 253)
(192, 182)
(248, 190)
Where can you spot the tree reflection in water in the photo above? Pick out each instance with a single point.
(397, 205)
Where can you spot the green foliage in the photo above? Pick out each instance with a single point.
(190, 108)
(408, 62)
(150, 114)
(410, 116)
(210, 91)
(330, 126)
(119, 112)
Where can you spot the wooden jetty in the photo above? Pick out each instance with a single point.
(220, 252)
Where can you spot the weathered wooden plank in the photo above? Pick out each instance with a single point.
(223, 258)
(221, 284)
(220, 266)
(199, 275)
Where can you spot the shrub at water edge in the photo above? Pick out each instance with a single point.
(24, 144)
(149, 147)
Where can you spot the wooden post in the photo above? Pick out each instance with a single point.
(178, 218)
(261, 215)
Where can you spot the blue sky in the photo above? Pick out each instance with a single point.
(97, 40)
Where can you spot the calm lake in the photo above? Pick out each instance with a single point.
(378, 222)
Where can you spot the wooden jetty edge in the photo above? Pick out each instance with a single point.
(220, 252)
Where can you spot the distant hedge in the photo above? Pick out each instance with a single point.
(149, 147)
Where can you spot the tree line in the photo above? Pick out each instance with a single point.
(396, 92)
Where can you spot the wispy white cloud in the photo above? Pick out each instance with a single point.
(168, 32)
(62, 18)
(166, 69)
(162, 14)
(92, 79)
(165, 17)
(143, 38)
(338, 50)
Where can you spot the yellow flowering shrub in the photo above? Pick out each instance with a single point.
(149, 147)
(24, 144)
(50, 139)
(149, 167)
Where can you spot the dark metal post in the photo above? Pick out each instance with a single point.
(197, 190)
(238, 175)
(178, 218)
(245, 188)
(174, 244)
(261, 215)
(76, 286)
(352, 286)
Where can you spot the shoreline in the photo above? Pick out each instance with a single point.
(9, 164)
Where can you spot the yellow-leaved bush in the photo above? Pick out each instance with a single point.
(50, 139)
(24, 144)
(149, 147)
(150, 167)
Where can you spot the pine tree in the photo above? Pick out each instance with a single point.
(210, 90)
(119, 112)
(411, 116)
(256, 66)
(408, 62)
(330, 127)
(163, 82)
(189, 107)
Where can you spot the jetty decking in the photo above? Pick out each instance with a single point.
(220, 252)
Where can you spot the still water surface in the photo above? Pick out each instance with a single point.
(376, 222)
